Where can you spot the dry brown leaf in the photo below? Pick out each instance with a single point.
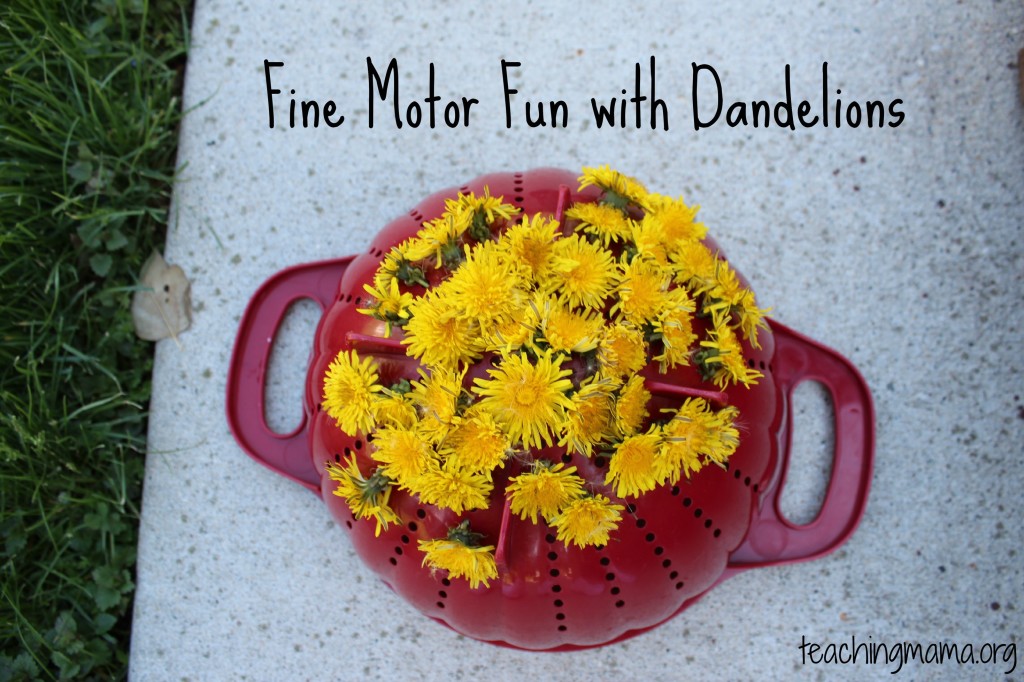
(163, 306)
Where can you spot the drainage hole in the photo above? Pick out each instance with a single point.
(679, 585)
(666, 563)
(736, 474)
(552, 556)
(556, 588)
(658, 551)
(421, 514)
(405, 539)
(442, 594)
(446, 582)
(631, 509)
(440, 604)
(348, 524)
(615, 590)
(549, 537)
(697, 512)
(599, 462)
(393, 561)
(675, 490)
(687, 501)
(558, 603)
(609, 576)
(640, 523)
(718, 531)
(605, 561)
(359, 445)
(746, 481)
(707, 524)
(413, 526)
(519, 199)
(398, 551)
(562, 628)
(619, 604)
(337, 457)
(566, 458)
(673, 575)
(553, 572)
(649, 537)
(559, 616)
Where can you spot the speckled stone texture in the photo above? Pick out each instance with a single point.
(899, 247)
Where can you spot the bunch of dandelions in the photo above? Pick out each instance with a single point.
(564, 317)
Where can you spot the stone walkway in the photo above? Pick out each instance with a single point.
(898, 246)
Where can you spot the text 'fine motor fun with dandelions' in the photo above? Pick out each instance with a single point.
(637, 107)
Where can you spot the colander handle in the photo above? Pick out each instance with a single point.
(772, 538)
(288, 454)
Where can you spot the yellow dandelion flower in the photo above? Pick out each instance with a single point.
(649, 240)
(350, 386)
(393, 409)
(694, 266)
(438, 334)
(589, 419)
(751, 318)
(437, 398)
(722, 358)
(642, 292)
(675, 218)
(675, 328)
(582, 273)
(587, 521)
(530, 247)
(403, 453)
(631, 406)
(606, 222)
(480, 212)
(568, 331)
(436, 237)
(696, 435)
(726, 436)
(398, 264)
(366, 497)
(388, 269)
(390, 305)
(544, 490)
(450, 486)
(634, 468)
(622, 350)
(527, 399)
(619, 189)
(726, 290)
(509, 335)
(486, 288)
(461, 557)
(478, 443)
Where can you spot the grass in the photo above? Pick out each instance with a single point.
(88, 133)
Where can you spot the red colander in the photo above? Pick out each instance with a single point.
(673, 544)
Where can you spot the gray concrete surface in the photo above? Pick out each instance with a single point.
(900, 247)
